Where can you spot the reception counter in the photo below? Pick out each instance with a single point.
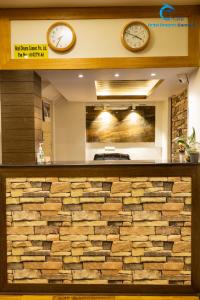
(100, 227)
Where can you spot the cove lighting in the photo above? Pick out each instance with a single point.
(125, 89)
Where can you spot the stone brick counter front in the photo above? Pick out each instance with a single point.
(99, 230)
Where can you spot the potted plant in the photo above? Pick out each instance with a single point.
(190, 145)
(193, 147)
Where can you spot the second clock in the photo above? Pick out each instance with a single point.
(135, 36)
(61, 37)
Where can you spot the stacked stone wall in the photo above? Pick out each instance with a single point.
(99, 230)
(179, 120)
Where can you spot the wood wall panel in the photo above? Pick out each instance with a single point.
(17, 123)
(25, 87)
(17, 147)
(20, 99)
(17, 76)
(20, 158)
(19, 135)
(74, 13)
(15, 110)
(38, 102)
(21, 112)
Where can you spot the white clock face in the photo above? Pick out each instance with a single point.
(136, 36)
(61, 37)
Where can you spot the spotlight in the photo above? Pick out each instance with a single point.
(153, 74)
(80, 76)
(105, 107)
(133, 107)
(117, 75)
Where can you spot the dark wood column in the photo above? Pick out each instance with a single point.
(21, 116)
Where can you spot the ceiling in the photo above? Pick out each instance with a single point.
(87, 3)
(125, 89)
(82, 88)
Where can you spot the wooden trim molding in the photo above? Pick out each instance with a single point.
(5, 52)
(6, 15)
(75, 13)
(193, 37)
(100, 63)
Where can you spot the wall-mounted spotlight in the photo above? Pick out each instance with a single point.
(105, 107)
(133, 107)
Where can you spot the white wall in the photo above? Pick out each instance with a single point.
(70, 135)
(136, 152)
(194, 103)
(164, 127)
(69, 131)
(142, 151)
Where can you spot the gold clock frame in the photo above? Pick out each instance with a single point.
(70, 46)
(124, 41)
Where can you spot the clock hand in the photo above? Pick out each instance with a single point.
(134, 35)
(59, 39)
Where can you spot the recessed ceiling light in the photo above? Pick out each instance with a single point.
(153, 74)
(80, 76)
(117, 75)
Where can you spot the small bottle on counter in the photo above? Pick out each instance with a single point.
(40, 154)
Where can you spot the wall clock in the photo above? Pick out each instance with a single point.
(135, 36)
(61, 37)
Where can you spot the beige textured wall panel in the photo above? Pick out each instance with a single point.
(102, 38)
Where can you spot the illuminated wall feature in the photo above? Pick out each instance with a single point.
(126, 89)
(125, 126)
